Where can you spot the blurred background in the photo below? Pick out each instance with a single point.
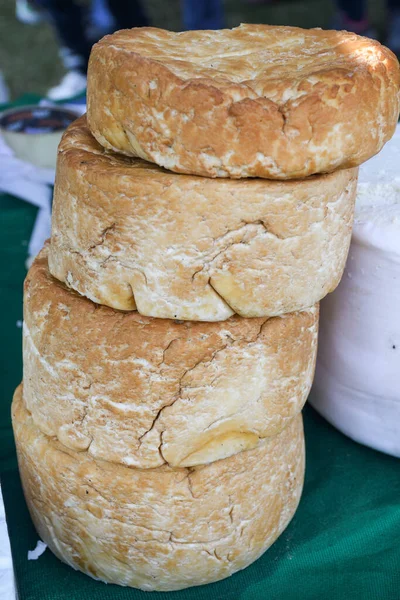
(33, 58)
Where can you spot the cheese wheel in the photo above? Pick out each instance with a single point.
(144, 392)
(254, 101)
(357, 384)
(158, 529)
(130, 235)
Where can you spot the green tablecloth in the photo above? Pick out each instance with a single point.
(343, 543)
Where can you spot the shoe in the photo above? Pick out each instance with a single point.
(393, 38)
(72, 84)
(27, 14)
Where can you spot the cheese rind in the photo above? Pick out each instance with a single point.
(253, 101)
(128, 234)
(158, 529)
(143, 392)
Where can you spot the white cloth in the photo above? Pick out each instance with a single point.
(7, 587)
(31, 184)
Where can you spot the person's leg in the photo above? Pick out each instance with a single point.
(128, 13)
(353, 16)
(100, 21)
(67, 19)
(354, 10)
(393, 34)
(202, 14)
(213, 14)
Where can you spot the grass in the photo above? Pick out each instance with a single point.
(29, 54)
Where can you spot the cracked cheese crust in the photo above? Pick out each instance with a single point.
(128, 234)
(159, 529)
(254, 101)
(144, 392)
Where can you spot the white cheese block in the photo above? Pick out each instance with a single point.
(357, 383)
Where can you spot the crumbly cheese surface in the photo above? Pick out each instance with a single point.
(253, 101)
(158, 529)
(377, 216)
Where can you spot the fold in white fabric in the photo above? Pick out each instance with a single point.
(7, 588)
(31, 184)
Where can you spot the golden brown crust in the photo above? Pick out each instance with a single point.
(158, 529)
(129, 234)
(143, 391)
(254, 101)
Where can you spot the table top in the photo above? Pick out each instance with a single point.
(343, 542)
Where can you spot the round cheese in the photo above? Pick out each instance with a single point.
(254, 101)
(144, 392)
(158, 529)
(131, 235)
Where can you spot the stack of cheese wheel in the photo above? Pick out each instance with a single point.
(201, 211)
